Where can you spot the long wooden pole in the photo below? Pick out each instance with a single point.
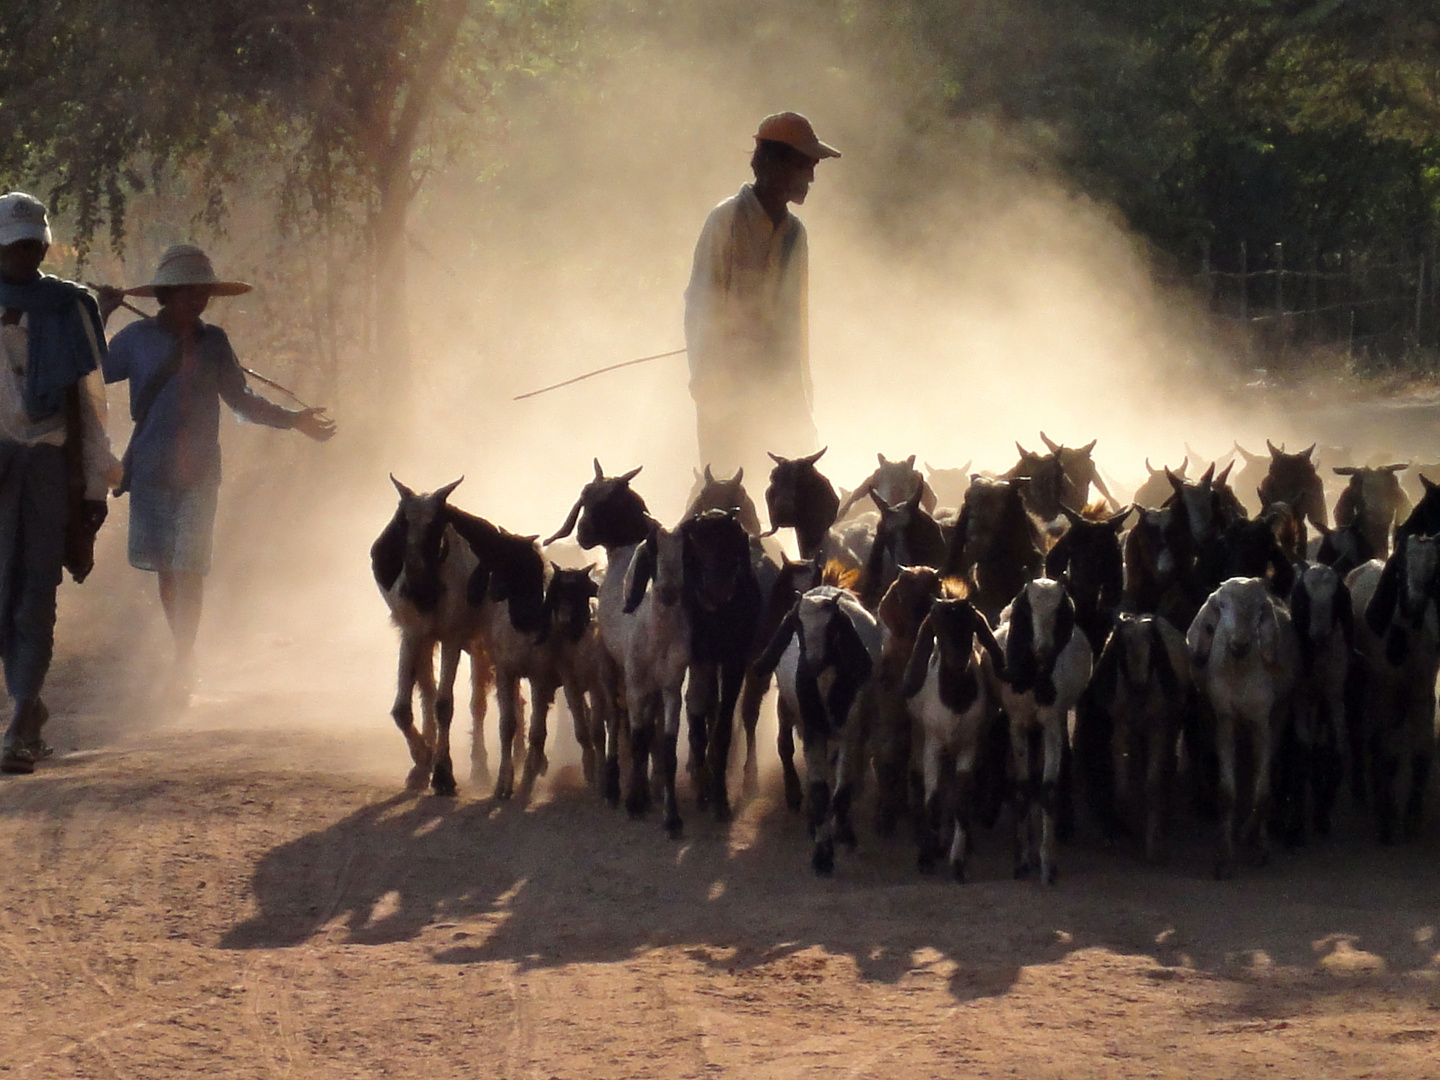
(598, 371)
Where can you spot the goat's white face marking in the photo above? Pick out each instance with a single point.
(1046, 596)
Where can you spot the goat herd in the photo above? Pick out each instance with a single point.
(1023, 646)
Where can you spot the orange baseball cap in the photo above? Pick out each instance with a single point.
(792, 129)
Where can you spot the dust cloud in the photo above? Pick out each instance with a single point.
(962, 297)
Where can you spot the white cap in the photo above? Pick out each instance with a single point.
(22, 217)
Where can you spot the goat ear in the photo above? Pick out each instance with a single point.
(1049, 443)
(918, 666)
(1020, 663)
(405, 492)
(1344, 470)
(910, 461)
(1200, 638)
(988, 642)
(570, 519)
(769, 660)
(387, 554)
(637, 577)
(1160, 662)
(1381, 609)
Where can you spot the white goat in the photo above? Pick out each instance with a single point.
(1246, 657)
(949, 683)
(1047, 666)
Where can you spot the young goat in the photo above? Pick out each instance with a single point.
(1142, 687)
(575, 642)
(1246, 658)
(1047, 666)
(949, 683)
(823, 658)
(609, 514)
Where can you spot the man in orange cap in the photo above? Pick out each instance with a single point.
(746, 307)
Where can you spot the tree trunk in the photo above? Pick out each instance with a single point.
(395, 189)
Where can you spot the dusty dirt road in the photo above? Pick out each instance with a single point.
(243, 890)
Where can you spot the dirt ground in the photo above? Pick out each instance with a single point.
(244, 890)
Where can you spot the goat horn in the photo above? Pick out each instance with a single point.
(569, 525)
(444, 492)
(405, 492)
(599, 472)
(1049, 443)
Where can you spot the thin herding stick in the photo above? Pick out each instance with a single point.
(598, 371)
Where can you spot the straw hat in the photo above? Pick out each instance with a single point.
(186, 264)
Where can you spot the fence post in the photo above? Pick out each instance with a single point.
(1419, 298)
(1244, 286)
(1205, 273)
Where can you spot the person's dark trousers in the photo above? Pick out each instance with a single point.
(33, 507)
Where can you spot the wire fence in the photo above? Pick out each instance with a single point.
(1383, 313)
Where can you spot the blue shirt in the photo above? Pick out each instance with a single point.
(178, 446)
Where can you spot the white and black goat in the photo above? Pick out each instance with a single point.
(1142, 687)
(1396, 605)
(823, 657)
(1246, 658)
(423, 569)
(465, 585)
(949, 684)
(609, 514)
(1047, 667)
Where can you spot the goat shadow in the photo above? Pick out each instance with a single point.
(567, 880)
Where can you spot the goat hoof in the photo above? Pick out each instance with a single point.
(823, 861)
(443, 784)
(638, 803)
(418, 779)
(1022, 871)
(675, 829)
(504, 789)
(957, 870)
(1052, 875)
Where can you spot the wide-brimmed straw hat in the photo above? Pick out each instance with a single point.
(186, 264)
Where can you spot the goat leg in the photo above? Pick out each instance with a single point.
(404, 716)
(1052, 795)
(751, 696)
(542, 695)
(442, 779)
(700, 695)
(642, 739)
(785, 745)
(482, 678)
(508, 695)
(669, 748)
(1225, 752)
(722, 732)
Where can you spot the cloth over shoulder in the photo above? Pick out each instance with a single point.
(66, 338)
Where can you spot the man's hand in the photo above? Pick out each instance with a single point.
(315, 424)
(109, 298)
(93, 513)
